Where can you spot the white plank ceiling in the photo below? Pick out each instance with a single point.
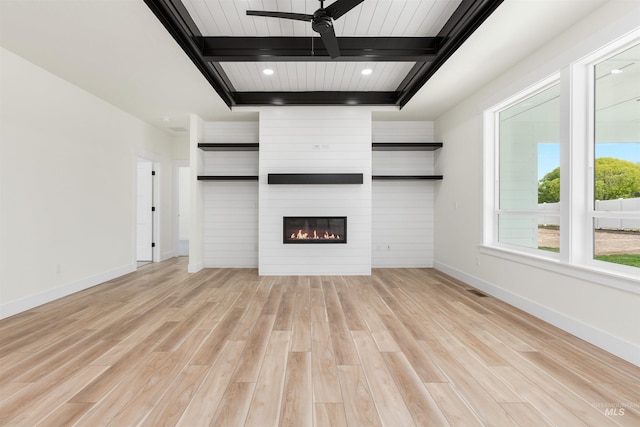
(392, 18)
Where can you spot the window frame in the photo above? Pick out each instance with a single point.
(577, 208)
(492, 165)
(587, 68)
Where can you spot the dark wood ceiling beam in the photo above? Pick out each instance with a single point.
(283, 49)
(315, 98)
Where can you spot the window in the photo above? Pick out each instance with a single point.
(562, 169)
(528, 170)
(616, 158)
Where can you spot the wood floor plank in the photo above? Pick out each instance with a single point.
(384, 340)
(234, 406)
(345, 351)
(329, 414)
(460, 321)
(177, 397)
(454, 407)
(420, 359)
(301, 327)
(297, 405)
(197, 312)
(477, 368)
(326, 387)
(45, 387)
(214, 343)
(272, 304)
(66, 415)
(149, 392)
(351, 313)
(526, 414)
(481, 400)
(251, 313)
(31, 368)
(559, 380)
(359, 408)
(384, 391)
(116, 399)
(539, 398)
(204, 403)
(421, 405)
(9, 389)
(162, 346)
(13, 411)
(284, 316)
(265, 406)
(250, 360)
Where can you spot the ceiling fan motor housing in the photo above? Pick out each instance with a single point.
(321, 22)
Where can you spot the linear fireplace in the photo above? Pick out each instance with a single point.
(314, 229)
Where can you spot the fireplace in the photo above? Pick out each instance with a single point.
(314, 229)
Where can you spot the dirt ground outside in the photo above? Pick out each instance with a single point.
(607, 242)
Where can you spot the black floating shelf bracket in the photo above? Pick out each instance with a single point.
(315, 178)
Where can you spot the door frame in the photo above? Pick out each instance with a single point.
(156, 202)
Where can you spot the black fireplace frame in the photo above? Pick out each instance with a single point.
(287, 240)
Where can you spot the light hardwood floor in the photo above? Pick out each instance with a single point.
(226, 347)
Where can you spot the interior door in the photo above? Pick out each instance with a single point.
(144, 223)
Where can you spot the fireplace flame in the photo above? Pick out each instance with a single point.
(303, 235)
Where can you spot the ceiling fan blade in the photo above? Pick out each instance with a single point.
(340, 7)
(330, 42)
(283, 15)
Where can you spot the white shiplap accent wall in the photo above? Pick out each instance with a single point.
(402, 214)
(230, 207)
(315, 140)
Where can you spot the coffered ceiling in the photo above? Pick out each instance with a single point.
(119, 51)
(400, 44)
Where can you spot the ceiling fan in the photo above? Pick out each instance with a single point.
(321, 21)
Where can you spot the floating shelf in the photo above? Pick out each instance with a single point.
(227, 177)
(245, 146)
(406, 177)
(315, 178)
(406, 146)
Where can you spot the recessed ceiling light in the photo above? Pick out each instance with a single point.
(366, 71)
(616, 71)
(267, 71)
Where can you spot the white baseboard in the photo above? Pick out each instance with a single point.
(15, 307)
(612, 344)
(167, 255)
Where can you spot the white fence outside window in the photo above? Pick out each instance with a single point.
(620, 205)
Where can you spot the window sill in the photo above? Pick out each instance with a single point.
(618, 280)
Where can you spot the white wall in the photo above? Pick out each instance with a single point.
(67, 182)
(315, 140)
(606, 316)
(402, 213)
